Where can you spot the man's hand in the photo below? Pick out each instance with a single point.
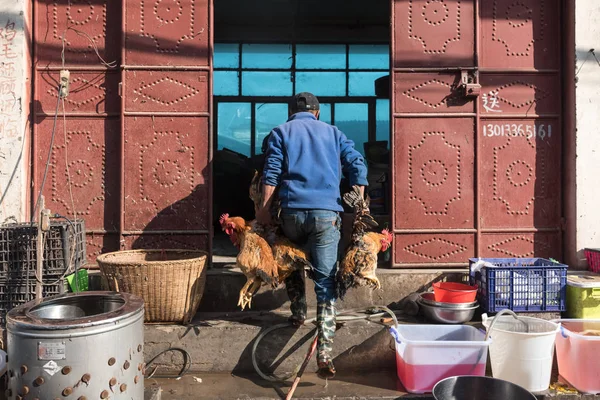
(263, 216)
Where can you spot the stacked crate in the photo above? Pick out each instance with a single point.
(64, 246)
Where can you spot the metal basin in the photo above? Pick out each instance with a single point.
(479, 388)
(448, 315)
(429, 298)
(77, 307)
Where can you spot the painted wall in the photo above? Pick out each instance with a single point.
(587, 37)
(14, 100)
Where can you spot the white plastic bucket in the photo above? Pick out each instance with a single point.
(522, 350)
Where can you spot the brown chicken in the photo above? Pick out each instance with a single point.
(255, 258)
(288, 256)
(359, 263)
(256, 196)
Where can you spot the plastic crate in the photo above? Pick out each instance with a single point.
(18, 248)
(520, 284)
(593, 259)
(14, 293)
(18, 259)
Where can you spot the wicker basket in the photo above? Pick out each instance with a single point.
(171, 282)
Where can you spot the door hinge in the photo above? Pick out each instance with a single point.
(120, 89)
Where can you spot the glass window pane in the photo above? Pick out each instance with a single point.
(266, 84)
(325, 114)
(268, 116)
(353, 120)
(226, 83)
(227, 55)
(267, 56)
(233, 121)
(369, 56)
(382, 131)
(321, 83)
(363, 83)
(319, 56)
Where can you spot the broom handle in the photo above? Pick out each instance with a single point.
(309, 355)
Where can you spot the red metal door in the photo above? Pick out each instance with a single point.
(134, 140)
(475, 176)
(167, 100)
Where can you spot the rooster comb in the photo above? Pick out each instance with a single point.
(223, 218)
(387, 234)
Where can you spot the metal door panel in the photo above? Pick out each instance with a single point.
(167, 104)
(87, 20)
(433, 33)
(167, 33)
(164, 91)
(521, 176)
(92, 154)
(434, 173)
(518, 245)
(166, 184)
(88, 93)
(429, 92)
(530, 95)
(510, 169)
(166, 241)
(520, 34)
(101, 243)
(433, 249)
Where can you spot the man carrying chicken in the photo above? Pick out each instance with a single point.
(304, 159)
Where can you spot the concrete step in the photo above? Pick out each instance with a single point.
(221, 342)
(374, 386)
(224, 282)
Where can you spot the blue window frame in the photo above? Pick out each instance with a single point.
(253, 82)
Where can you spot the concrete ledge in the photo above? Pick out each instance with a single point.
(223, 343)
(224, 283)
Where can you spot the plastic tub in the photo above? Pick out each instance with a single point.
(426, 354)
(522, 351)
(452, 292)
(583, 296)
(578, 354)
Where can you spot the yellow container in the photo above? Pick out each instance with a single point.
(583, 295)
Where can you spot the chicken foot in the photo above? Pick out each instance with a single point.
(248, 292)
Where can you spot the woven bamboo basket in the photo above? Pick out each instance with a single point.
(171, 282)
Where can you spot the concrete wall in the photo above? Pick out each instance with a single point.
(14, 106)
(587, 37)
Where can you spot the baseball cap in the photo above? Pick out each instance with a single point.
(304, 101)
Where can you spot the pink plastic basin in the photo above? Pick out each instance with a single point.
(578, 354)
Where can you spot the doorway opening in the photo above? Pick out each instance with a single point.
(266, 51)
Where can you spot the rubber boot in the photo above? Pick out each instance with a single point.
(326, 332)
(295, 287)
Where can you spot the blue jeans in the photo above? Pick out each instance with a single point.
(319, 232)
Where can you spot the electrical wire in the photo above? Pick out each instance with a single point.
(33, 216)
(71, 258)
(187, 363)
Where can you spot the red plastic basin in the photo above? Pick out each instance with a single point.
(452, 292)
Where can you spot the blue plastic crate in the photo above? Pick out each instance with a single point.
(520, 284)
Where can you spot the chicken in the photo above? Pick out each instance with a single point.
(287, 255)
(255, 258)
(359, 263)
(256, 196)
